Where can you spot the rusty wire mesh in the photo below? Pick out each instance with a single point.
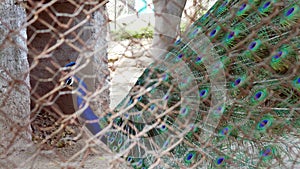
(41, 119)
(50, 34)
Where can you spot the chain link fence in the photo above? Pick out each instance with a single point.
(133, 84)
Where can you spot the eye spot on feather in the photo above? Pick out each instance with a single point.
(203, 93)
(184, 111)
(278, 55)
(263, 123)
(220, 160)
(139, 164)
(195, 31)
(189, 156)
(290, 11)
(258, 95)
(180, 56)
(267, 152)
(163, 128)
(213, 32)
(198, 59)
(224, 131)
(152, 107)
(267, 4)
(129, 159)
(231, 34)
(242, 7)
(252, 45)
(237, 81)
(166, 97)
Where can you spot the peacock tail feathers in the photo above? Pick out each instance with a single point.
(254, 46)
(225, 96)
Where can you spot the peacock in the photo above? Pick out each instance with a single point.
(226, 95)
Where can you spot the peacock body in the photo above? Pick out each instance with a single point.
(225, 96)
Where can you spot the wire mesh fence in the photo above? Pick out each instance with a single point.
(149, 84)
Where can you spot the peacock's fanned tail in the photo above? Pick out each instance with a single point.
(226, 95)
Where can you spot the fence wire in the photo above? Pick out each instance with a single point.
(149, 84)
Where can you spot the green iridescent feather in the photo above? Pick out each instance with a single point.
(226, 95)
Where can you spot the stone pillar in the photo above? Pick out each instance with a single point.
(15, 135)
